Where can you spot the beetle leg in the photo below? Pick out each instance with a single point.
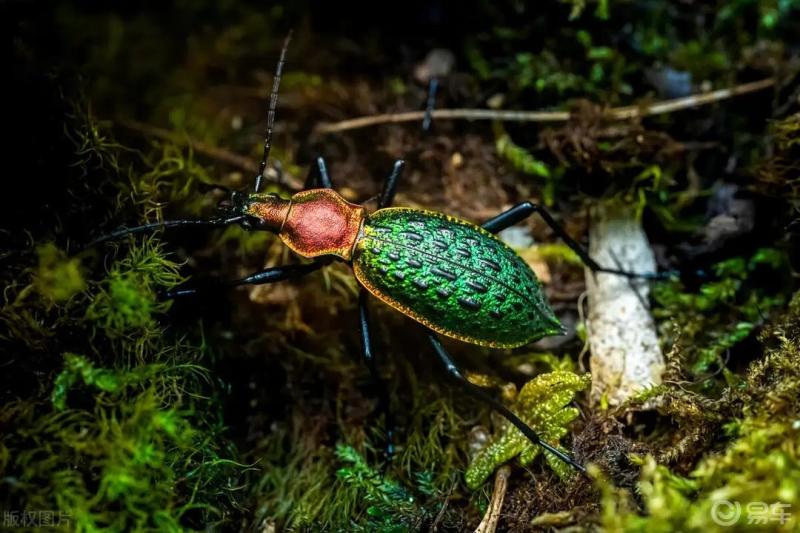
(369, 358)
(269, 275)
(479, 394)
(433, 85)
(390, 185)
(318, 176)
(522, 211)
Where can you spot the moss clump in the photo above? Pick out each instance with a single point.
(391, 508)
(107, 420)
(542, 404)
(130, 462)
(57, 277)
(131, 445)
(127, 300)
(754, 481)
(78, 368)
(724, 311)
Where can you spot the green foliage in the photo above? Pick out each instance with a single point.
(297, 486)
(543, 72)
(129, 464)
(601, 11)
(558, 253)
(127, 300)
(525, 162)
(89, 429)
(127, 447)
(720, 313)
(391, 508)
(174, 177)
(771, 13)
(431, 442)
(78, 368)
(753, 482)
(520, 158)
(57, 277)
(703, 60)
(542, 404)
(306, 485)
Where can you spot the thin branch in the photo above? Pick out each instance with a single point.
(214, 152)
(694, 100)
(492, 516)
(616, 113)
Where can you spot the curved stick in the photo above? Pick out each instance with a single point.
(616, 113)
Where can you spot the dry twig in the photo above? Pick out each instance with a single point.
(214, 152)
(616, 113)
(492, 516)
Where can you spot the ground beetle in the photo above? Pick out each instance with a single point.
(454, 277)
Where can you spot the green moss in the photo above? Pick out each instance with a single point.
(78, 368)
(174, 177)
(128, 300)
(57, 277)
(754, 480)
(558, 253)
(106, 440)
(298, 488)
(520, 158)
(128, 459)
(719, 314)
(542, 404)
(431, 442)
(391, 508)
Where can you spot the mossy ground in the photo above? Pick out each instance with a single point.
(249, 409)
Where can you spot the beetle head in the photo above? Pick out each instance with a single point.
(261, 211)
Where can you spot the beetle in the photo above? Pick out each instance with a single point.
(455, 277)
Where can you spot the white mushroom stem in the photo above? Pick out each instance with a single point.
(492, 516)
(626, 356)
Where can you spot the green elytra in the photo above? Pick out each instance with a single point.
(452, 276)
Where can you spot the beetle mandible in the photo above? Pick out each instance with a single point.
(454, 277)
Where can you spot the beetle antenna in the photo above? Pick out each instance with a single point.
(212, 222)
(273, 104)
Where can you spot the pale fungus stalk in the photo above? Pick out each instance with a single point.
(625, 354)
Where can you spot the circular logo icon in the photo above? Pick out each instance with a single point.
(725, 512)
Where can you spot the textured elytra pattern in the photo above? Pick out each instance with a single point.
(452, 276)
